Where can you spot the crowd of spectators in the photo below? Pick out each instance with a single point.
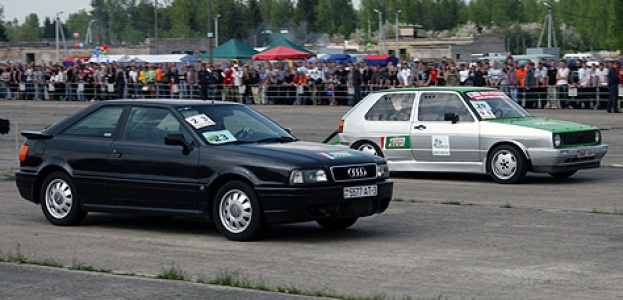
(547, 84)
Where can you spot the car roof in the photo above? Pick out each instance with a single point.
(166, 102)
(461, 89)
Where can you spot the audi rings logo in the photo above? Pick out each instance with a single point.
(357, 172)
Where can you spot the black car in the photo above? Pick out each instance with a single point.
(218, 160)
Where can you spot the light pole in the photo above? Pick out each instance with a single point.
(57, 29)
(88, 39)
(550, 27)
(216, 30)
(381, 41)
(397, 33)
(156, 27)
(210, 34)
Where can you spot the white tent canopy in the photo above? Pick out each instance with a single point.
(163, 58)
(104, 58)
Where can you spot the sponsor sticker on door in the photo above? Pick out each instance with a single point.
(397, 142)
(441, 145)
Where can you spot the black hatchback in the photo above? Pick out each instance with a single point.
(216, 160)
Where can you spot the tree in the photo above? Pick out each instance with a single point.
(28, 31)
(255, 23)
(78, 22)
(3, 33)
(49, 29)
(336, 17)
(305, 14)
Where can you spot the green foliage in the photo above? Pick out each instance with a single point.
(336, 17)
(172, 273)
(581, 25)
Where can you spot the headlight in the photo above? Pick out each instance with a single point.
(308, 176)
(557, 140)
(597, 136)
(382, 171)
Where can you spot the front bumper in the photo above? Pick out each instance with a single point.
(300, 204)
(566, 159)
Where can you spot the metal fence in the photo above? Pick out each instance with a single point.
(313, 94)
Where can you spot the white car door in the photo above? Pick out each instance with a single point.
(388, 123)
(437, 140)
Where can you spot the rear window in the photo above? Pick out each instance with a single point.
(392, 107)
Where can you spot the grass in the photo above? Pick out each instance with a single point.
(398, 199)
(172, 273)
(224, 278)
(78, 266)
(612, 212)
(236, 279)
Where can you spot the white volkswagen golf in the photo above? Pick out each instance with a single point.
(467, 129)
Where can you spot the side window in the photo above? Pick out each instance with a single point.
(392, 107)
(151, 125)
(101, 123)
(433, 106)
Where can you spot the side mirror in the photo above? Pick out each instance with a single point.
(177, 139)
(454, 117)
(288, 130)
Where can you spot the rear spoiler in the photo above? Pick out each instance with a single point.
(36, 135)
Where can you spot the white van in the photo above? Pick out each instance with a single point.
(585, 57)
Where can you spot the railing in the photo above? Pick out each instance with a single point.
(313, 94)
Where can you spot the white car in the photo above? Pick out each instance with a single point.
(467, 129)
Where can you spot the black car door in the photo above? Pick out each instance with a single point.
(85, 145)
(149, 174)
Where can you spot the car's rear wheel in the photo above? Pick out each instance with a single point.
(337, 223)
(563, 175)
(507, 164)
(368, 147)
(59, 200)
(237, 212)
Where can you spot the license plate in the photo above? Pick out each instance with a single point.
(360, 191)
(585, 153)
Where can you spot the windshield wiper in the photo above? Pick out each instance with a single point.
(278, 139)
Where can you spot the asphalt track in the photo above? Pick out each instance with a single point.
(450, 235)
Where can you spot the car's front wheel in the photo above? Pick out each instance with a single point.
(59, 200)
(368, 147)
(507, 164)
(337, 223)
(237, 212)
(563, 175)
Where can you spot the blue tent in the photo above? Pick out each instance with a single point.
(340, 58)
(382, 60)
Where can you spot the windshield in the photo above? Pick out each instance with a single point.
(226, 124)
(496, 105)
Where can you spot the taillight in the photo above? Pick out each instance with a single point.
(341, 129)
(23, 152)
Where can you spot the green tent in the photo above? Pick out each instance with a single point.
(289, 44)
(232, 49)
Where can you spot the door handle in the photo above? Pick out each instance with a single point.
(419, 127)
(117, 154)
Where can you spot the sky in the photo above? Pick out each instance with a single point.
(43, 8)
(48, 8)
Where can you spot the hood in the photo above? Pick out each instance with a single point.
(307, 153)
(555, 126)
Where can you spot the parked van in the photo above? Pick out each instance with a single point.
(585, 57)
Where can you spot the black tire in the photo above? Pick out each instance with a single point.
(337, 223)
(507, 164)
(563, 175)
(237, 212)
(60, 201)
(368, 147)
